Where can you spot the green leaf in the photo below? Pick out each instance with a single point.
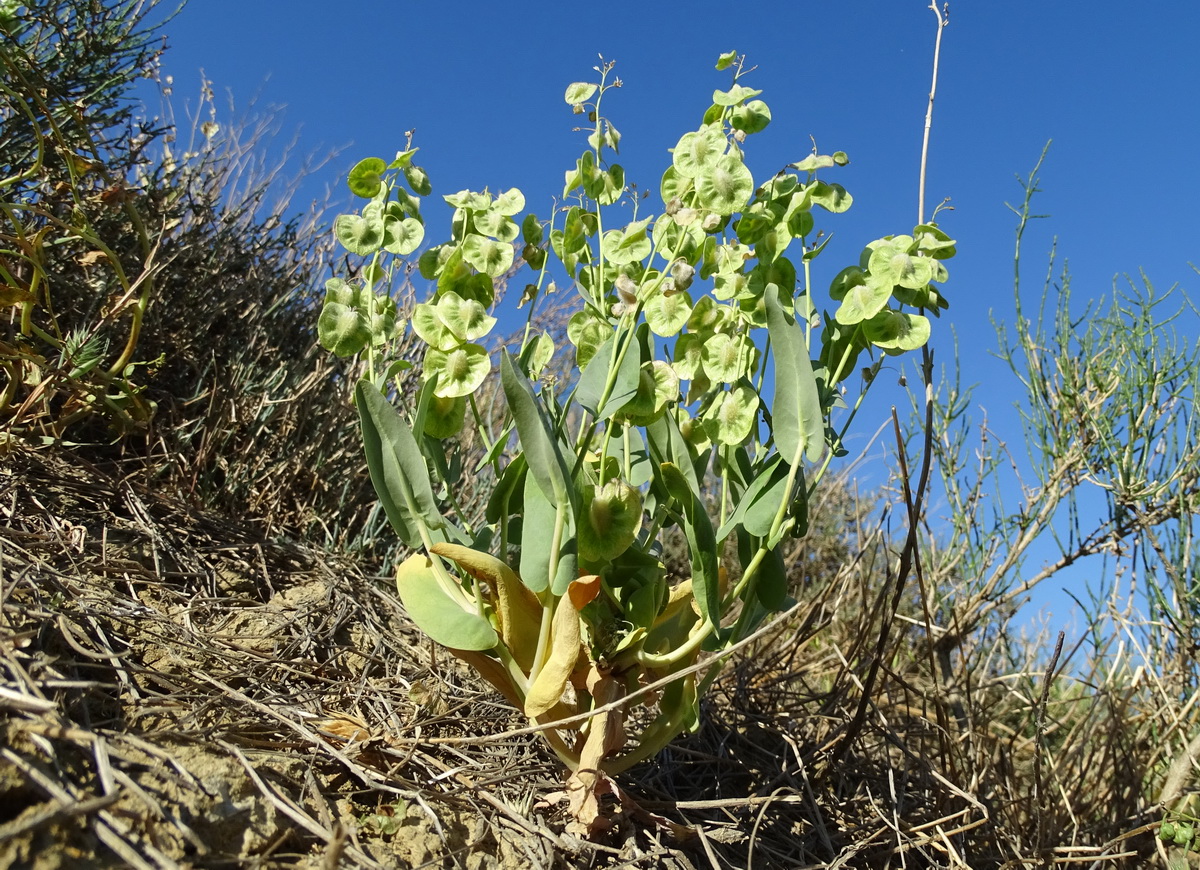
(402, 236)
(721, 357)
(579, 92)
(658, 385)
(845, 280)
(532, 231)
(469, 200)
(688, 355)
(725, 61)
(342, 329)
(398, 470)
(628, 245)
(760, 502)
(366, 177)
(509, 203)
(537, 522)
(587, 331)
(489, 257)
(445, 417)
(897, 331)
(499, 226)
(724, 187)
(892, 263)
(932, 240)
(538, 442)
(429, 327)
(698, 151)
(797, 422)
(540, 354)
(771, 582)
(702, 543)
(674, 185)
(441, 617)
(460, 371)
(594, 378)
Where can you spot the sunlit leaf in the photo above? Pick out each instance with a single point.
(863, 301)
(436, 613)
(731, 418)
(668, 314)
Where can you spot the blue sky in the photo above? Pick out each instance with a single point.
(1114, 86)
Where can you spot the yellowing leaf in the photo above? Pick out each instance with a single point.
(548, 686)
(519, 611)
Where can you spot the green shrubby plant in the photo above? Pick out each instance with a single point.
(714, 389)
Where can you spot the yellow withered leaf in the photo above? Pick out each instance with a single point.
(548, 686)
(519, 611)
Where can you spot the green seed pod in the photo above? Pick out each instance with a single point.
(1184, 834)
(1166, 832)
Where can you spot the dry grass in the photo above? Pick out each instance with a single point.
(197, 695)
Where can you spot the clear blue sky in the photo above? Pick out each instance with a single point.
(1114, 84)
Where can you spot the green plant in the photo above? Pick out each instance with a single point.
(713, 394)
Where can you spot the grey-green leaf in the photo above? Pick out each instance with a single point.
(590, 392)
(398, 470)
(542, 452)
(799, 425)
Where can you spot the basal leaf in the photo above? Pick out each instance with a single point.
(437, 614)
